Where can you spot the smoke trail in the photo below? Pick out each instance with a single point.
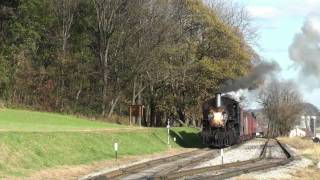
(305, 51)
(252, 80)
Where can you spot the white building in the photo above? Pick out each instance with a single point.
(298, 132)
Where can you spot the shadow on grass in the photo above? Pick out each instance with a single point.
(187, 139)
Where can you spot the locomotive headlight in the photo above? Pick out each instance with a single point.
(216, 117)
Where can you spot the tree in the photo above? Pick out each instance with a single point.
(281, 103)
(64, 11)
(8, 10)
(96, 57)
(207, 54)
(236, 16)
(108, 17)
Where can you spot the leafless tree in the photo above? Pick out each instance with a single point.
(235, 15)
(152, 28)
(108, 13)
(281, 103)
(64, 10)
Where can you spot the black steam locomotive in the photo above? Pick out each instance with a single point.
(224, 122)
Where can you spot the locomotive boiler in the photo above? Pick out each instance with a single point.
(225, 123)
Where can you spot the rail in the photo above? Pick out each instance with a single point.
(233, 169)
(116, 174)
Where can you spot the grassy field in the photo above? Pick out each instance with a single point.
(37, 142)
(304, 146)
(23, 120)
(308, 149)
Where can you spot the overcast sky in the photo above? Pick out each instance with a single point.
(294, 25)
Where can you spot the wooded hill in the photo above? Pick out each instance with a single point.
(96, 57)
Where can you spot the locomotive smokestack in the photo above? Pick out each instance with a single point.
(218, 99)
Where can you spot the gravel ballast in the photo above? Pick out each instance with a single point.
(280, 172)
(246, 151)
(274, 151)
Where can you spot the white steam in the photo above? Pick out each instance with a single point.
(247, 98)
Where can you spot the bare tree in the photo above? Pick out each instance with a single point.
(153, 27)
(236, 16)
(64, 10)
(281, 103)
(108, 13)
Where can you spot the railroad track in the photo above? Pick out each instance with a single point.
(173, 167)
(159, 167)
(233, 169)
(188, 158)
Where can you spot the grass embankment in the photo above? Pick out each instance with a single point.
(306, 148)
(37, 146)
(24, 120)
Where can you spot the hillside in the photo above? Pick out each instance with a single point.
(310, 109)
(24, 120)
(33, 141)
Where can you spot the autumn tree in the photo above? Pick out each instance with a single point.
(97, 57)
(206, 55)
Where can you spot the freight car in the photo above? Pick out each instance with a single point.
(225, 123)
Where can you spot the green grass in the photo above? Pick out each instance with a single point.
(31, 141)
(26, 152)
(23, 120)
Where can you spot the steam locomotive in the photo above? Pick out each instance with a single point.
(225, 123)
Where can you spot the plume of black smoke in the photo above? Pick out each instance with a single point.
(252, 80)
(305, 51)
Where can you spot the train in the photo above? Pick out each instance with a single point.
(225, 123)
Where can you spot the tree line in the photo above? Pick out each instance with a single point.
(96, 57)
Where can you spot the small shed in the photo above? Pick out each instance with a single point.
(135, 113)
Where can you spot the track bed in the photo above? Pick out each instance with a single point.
(254, 155)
